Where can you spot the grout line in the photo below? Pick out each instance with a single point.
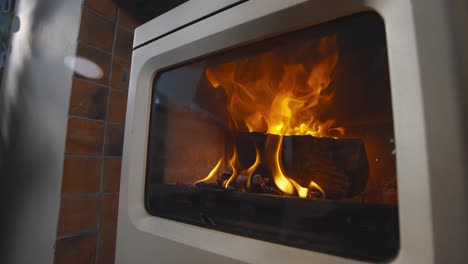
(101, 180)
(124, 59)
(99, 84)
(87, 44)
(129, 29)
(85, 118)
(116, 123)
(107, 52)
(109, 228)
(82, 233)
(79, 78)
(75, 195)
(91, 156)
(97, 120)
(87, 232)
(119, 90)
(108, 19)
(126, 28)
(71, 195)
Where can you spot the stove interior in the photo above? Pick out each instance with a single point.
(287, 139)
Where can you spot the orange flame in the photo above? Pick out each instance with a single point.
(274, 94)
(273, 146)
(285, 184)
(250, 171)
(268, 93)
(214, 172)
(233, 165)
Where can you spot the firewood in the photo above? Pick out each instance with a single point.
(222, 177)
(339, 166)
(258, 180)
(241, 181)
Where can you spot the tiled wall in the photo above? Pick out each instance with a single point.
(91, 178)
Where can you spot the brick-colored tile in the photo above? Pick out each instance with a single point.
(120, 74)
(101, 59)
(127, 20)
(107, 246)
(96, 30)
(76, 250)
(114, 140)
(81, 175)
(106, 7)
(88, 100)
(124, 43)
(84, 136)
(109, 210)
(78, 214)
(112, 169)
(117, 106)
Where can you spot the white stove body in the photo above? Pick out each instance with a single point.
(428, 56)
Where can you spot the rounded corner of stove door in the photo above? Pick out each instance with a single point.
(145, 67)
(137, 216)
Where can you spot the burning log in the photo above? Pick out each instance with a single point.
(264, 185)
(338, 166)
(259, 181)
(259, 184)
(222, 177)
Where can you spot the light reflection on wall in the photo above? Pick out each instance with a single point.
(84, 67)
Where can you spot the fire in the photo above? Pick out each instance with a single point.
(285, 184)
(233, 164)
(271, 93)
(281, 94)
(214, 172)
(250, 171)
(273, 145)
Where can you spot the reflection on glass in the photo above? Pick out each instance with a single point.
(285, 140)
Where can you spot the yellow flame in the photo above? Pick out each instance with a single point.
(280, 93)
(281, 181)
(271, 93)
(301, 191)
(232, 163)
(213, 173)
(250, 171)
(313, 185)
(284, 183)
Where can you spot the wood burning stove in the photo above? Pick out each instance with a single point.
(280, 130)
(289, 140)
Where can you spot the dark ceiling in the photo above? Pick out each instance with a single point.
(145, 10)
